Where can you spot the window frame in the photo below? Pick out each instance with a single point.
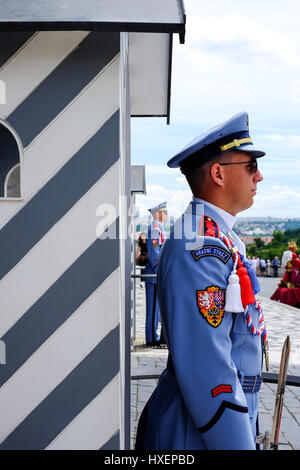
(21, 154)
(6, 181)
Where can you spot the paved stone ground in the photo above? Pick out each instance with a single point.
(281, 320)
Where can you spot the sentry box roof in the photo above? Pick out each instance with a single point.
(150, 55)
(102, 15)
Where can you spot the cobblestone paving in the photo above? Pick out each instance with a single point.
(281, 320)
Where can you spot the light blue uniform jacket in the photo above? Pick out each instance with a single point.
(199, 402)
(157, 235)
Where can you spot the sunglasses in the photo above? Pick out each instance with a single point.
(252, 165)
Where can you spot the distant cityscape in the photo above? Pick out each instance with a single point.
(247, 228)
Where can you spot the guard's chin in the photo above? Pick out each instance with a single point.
(247, 205)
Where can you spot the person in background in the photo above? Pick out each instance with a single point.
(288, 289)
(141, 250)
(155, 239)
(268, 268)
(275, 265)
(288, 254)
(257, 265)
(254, 263)
(262, 267)
(141, 253)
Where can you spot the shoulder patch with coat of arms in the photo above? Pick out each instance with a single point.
(211, 303)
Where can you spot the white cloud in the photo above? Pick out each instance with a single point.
(239, 35)
(177, 200)
(274, 137)
(287, 139)
(234, 61)
(278, 201)
(180, 179)
(159, 170)
(296, 92)
(237, 56)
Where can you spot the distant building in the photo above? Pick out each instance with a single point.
(248, 240)
(263, 226)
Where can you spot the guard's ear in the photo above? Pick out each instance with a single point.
(217, 174)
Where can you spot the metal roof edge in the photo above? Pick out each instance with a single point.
(94, 26)
(181, 9)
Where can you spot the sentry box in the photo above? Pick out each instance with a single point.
(72, 73)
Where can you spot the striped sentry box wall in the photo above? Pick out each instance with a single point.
(60, 321)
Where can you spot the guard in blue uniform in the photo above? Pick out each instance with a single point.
(207, 398)
(155, 239)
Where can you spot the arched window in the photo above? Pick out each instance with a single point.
(10, 162)
(12, 182)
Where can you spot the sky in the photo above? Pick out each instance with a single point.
(237, 56)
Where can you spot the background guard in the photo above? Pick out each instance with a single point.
(155, 239)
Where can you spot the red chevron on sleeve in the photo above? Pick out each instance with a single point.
(221, 389)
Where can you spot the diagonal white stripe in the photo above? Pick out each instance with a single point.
(34, 62)
(66, 134)
(99, 420)
(56, 251)
(53, 361)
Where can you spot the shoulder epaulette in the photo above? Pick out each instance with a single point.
(208, 227)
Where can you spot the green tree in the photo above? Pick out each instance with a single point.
(260, 244)
(278, 237)
(277, 245)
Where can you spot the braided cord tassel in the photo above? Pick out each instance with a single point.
(261, 330)
(233, 302)
(238, 263)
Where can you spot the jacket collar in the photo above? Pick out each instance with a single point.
(200, 207)
(229, 219)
